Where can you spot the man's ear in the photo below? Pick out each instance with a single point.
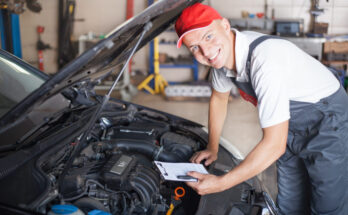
(226, 24)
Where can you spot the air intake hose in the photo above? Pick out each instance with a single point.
(146, 148)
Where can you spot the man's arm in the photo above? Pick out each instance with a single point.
(217, 114)
(268, 150)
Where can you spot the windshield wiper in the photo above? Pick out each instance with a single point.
(99, 109)
(24, 139)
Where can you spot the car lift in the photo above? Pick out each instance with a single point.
(9, 23)
(10, 32)
(159, 81)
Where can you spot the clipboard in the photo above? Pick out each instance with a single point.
(178, 171)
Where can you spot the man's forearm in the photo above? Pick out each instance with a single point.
(270, 148)
(217, 115)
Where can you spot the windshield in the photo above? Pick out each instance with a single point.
(15, 84)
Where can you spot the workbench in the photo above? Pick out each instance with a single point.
(312, 46)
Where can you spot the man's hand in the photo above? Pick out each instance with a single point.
(206, 184)
(208, 155)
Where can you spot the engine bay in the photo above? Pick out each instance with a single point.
(115, 172)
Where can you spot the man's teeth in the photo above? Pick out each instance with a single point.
(214, 56)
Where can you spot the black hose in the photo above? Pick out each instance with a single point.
(88, 204)
(146, 148)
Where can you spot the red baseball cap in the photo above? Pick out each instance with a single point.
(194, 17)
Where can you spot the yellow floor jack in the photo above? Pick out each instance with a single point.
(160, 82)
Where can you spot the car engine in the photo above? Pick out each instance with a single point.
(110, 168)
(115, 172)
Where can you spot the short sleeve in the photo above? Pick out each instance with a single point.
(270, 87)
(220, 82)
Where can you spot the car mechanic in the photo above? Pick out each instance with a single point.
(303, 112)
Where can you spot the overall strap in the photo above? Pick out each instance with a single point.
(246, 89)
(252, 46)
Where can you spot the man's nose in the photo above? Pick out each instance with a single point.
(205, 50)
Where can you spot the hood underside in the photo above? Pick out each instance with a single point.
(98, 62)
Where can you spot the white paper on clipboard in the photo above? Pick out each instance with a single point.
(171, 171)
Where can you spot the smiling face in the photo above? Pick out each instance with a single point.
(212, 45)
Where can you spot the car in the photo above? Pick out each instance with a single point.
(67, 150)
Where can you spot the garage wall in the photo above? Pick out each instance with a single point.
(336, 11)
(48, 17)
(100, 16)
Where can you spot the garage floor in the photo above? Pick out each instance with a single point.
(241, 127)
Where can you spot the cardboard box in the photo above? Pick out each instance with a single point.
(321, 27)
(336, 47)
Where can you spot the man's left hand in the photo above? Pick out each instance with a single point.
(206, 183)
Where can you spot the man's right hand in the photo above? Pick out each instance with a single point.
(208, 155)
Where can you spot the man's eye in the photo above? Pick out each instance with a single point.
(194, 48)
(209, 37)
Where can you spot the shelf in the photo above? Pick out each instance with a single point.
(193, 65)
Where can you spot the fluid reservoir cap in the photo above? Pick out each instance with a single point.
(179, 192)
(64, 209)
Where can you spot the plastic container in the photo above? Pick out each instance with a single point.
(65, 210)
(98, 212)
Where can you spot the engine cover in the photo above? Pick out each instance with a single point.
(117, 171)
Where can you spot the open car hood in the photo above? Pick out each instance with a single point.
(97, 62)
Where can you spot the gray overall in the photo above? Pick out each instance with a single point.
(313, 172)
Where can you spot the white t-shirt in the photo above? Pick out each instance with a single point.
(280, 72)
